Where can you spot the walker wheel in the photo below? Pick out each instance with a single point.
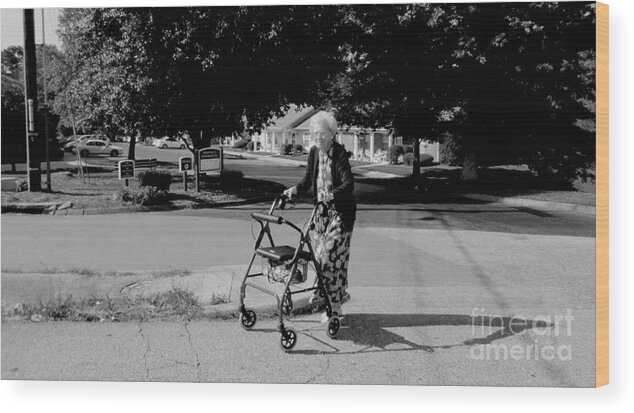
(288, 339)
(248, 319)
(333, 327)
(287, 303)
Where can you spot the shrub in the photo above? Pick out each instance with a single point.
(231, 179)
(146, 195)
(161, 180)
(451, 152)
(285, 148)
(395, 152)
(380, 156)
(150, 195)
(22, 185)
(125, 196)
(241, 143)
(408, 159)
(426, 159)
(297, 148)
(250, 146)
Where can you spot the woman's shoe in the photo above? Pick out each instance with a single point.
(325, 318)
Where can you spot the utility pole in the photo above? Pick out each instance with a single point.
(48, 155)
(33, 150)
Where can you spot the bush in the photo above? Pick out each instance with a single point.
(125, 196)
(22, 185)
(297, 148)
(161, 180)
(408, 159)
(150, 195)
(395, 152)
(241, 143)
(426, 159)
(285, 148)
(231, 179)
(451, 152)
(146, 195)
(250, 146)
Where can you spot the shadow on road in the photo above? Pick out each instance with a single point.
(371, 331)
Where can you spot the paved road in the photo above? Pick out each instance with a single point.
(414, 292)
(373, 349)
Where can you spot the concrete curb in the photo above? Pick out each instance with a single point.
(221, 281)
(533, 203)
(161, 208)
(41, 209)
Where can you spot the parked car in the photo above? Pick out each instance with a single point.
(167, 142)
(98, 147)
(70, 145)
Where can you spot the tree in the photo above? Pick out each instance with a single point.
(392, 77)
(211, 72)
(13, 122)
(511, 82)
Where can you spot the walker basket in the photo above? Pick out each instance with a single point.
(277, 272)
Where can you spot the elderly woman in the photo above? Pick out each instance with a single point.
(329, 176)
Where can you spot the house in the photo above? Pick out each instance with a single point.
(365, 145)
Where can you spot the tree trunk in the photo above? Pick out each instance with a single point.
(416, 166)
(131, 148)
(470, 166)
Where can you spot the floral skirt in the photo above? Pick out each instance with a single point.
(332, 250)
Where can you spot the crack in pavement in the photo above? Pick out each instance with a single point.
(189, 338)
(147, 351)
(322, 372)
(326, 356)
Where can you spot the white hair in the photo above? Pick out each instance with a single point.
(323, 120)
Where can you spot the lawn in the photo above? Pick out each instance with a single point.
(504, 181)
(97, 189)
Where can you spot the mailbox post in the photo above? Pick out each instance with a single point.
(185, 164)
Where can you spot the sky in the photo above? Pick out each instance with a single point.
(12, 29)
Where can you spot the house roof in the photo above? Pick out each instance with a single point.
(293, 118)
(299, 118)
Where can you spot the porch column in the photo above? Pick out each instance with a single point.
(372, 147)
(390, 140)
(355, 147)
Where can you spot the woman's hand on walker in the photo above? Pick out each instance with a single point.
(290, 192)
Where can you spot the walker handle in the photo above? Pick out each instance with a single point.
(268, 218)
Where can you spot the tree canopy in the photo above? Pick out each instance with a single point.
(509, 82)
(514, 82)
(210, 71)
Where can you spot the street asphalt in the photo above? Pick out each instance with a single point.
(458, 292)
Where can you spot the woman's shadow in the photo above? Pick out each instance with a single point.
(371, 331)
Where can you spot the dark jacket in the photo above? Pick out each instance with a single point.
(342, 182)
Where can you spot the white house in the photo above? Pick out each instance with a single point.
(366, 145)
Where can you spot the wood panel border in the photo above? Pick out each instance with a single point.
(602, 196)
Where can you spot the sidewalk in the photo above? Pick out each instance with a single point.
(216, 288)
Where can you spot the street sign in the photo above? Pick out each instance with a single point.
(186, 164)
(126, 169)
(209, 159)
